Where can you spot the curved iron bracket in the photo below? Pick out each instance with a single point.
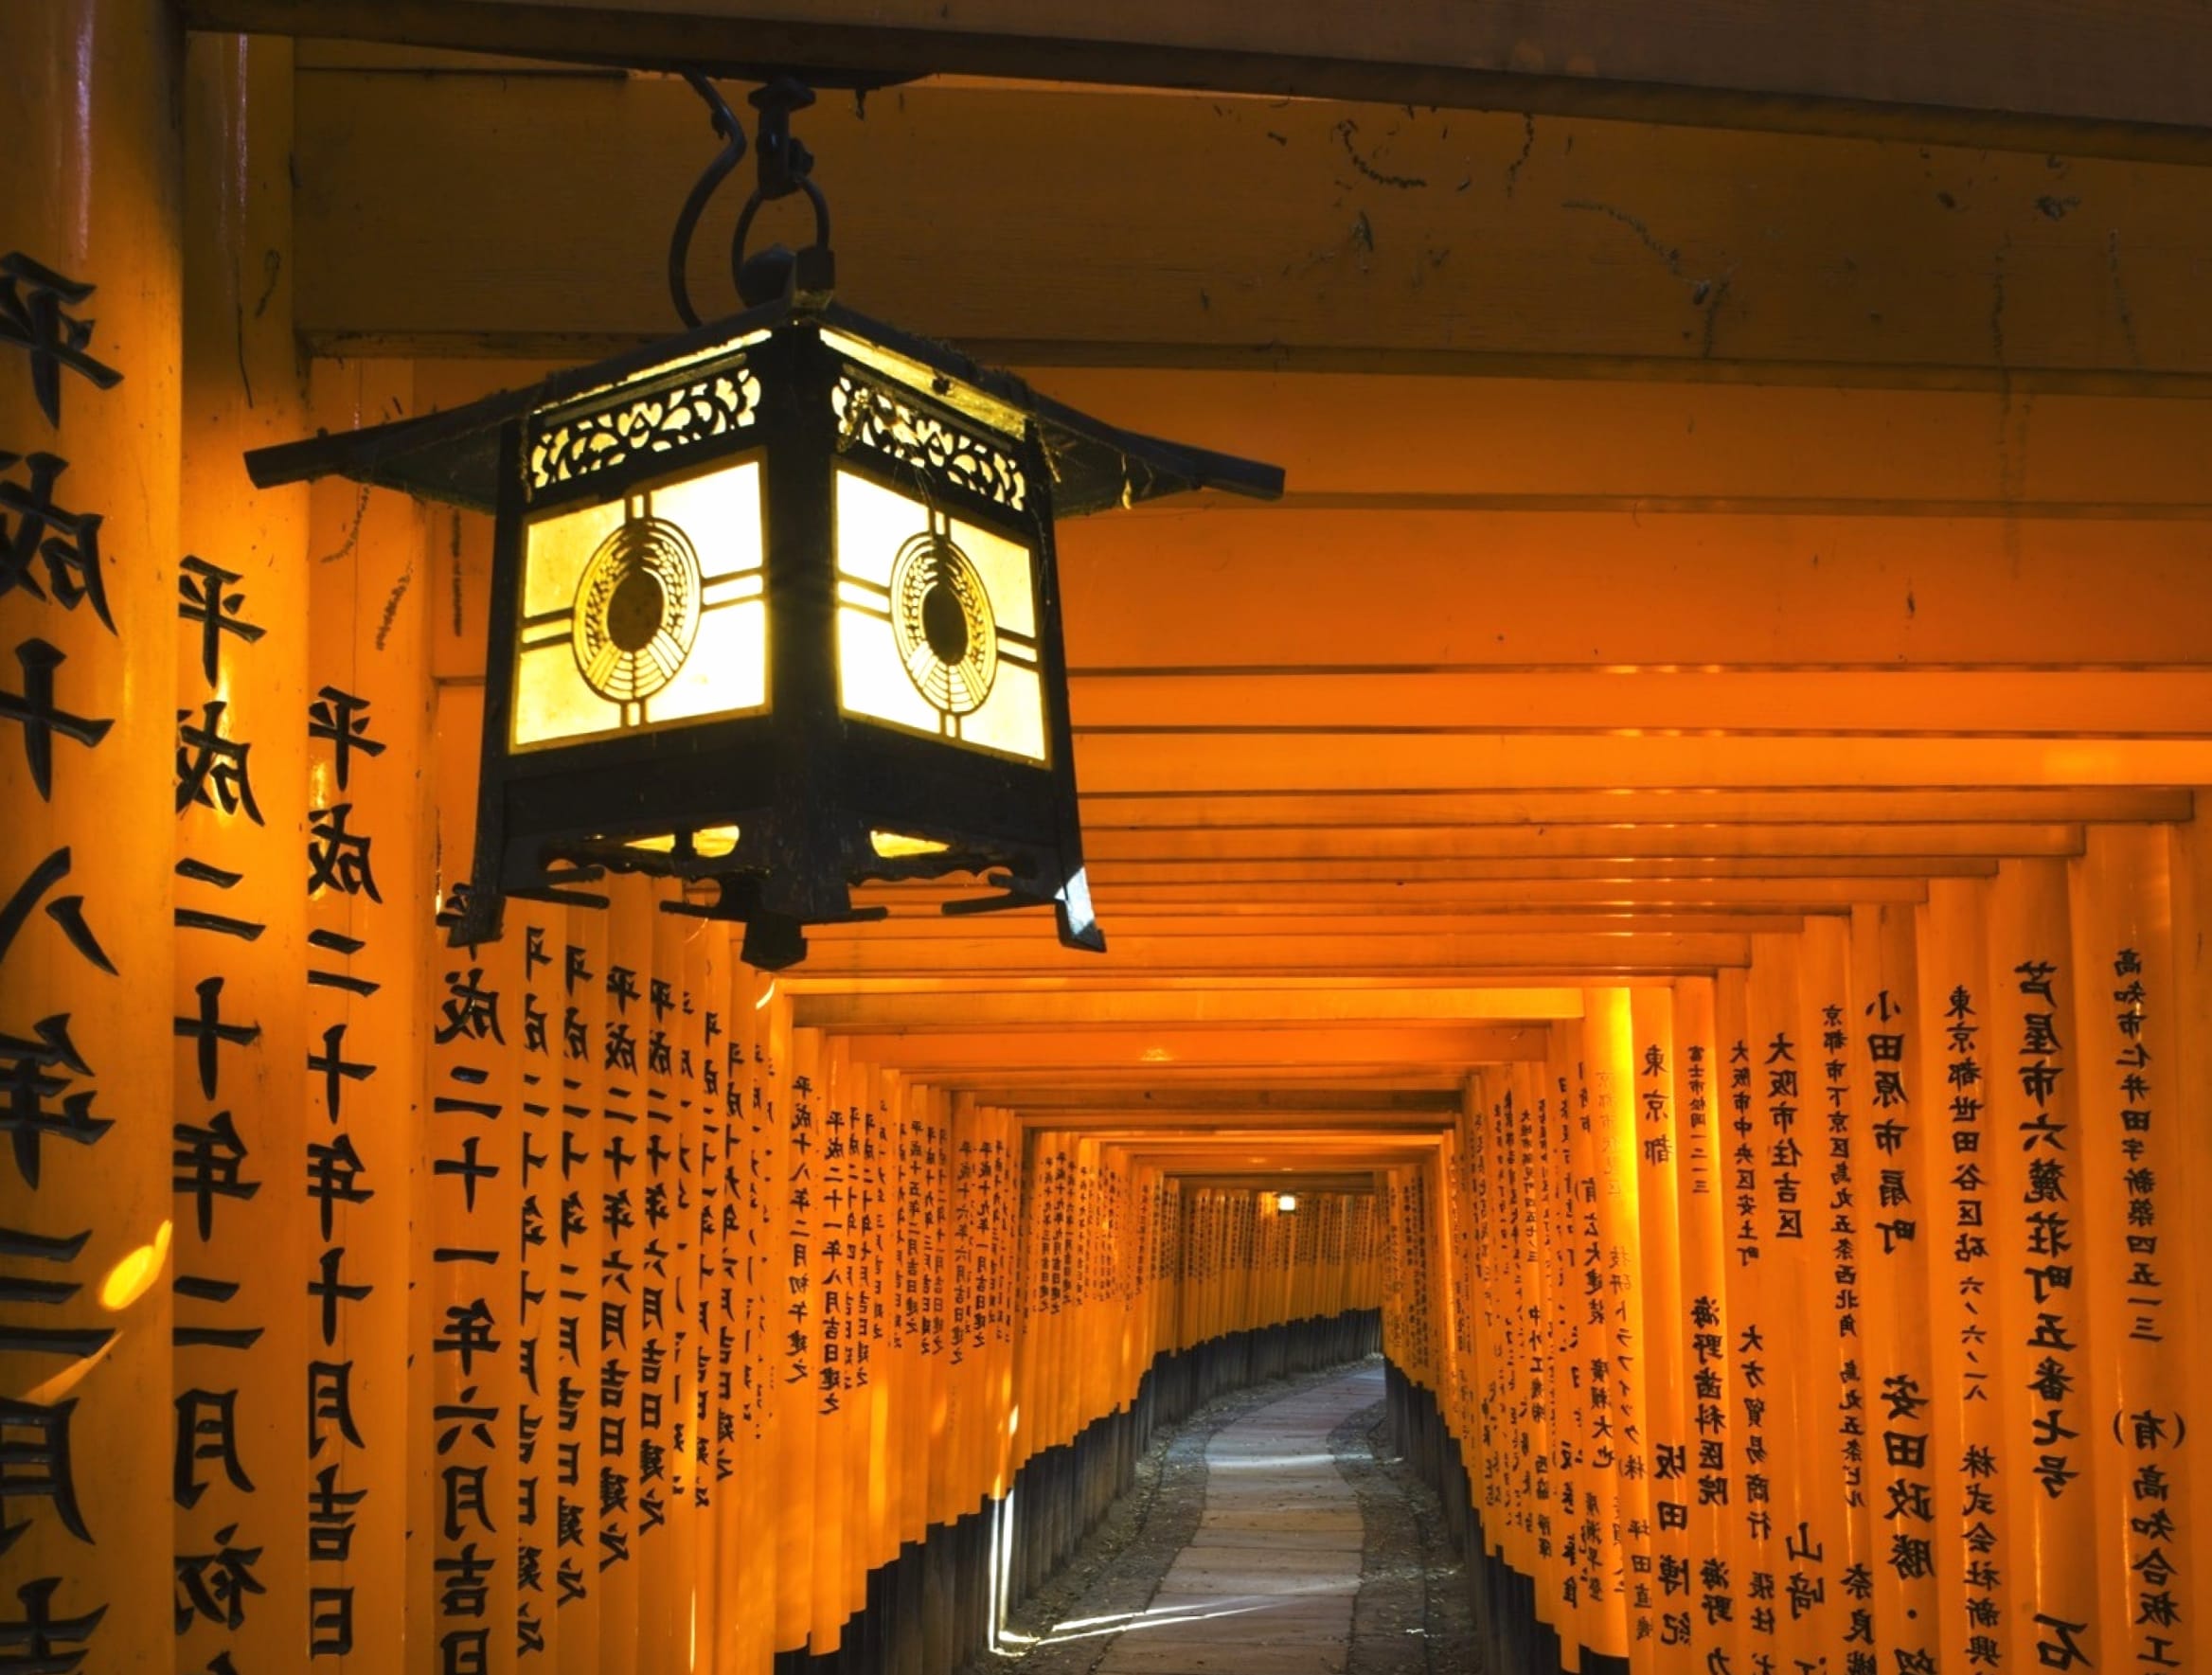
(785, 169)
(709, 182)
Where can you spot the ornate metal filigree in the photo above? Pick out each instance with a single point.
(872, 417)
(581, 441)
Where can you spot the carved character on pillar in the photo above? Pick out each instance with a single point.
(40, 717)
(34, 314)
(34, 530)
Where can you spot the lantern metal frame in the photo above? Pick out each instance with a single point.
(810, 388)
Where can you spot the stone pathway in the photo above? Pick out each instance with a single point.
(1272, 1534)
(1267, 1583)
(1250, 1547)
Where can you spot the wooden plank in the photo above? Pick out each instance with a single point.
(1168, 1051)
(1595, 954)
(1385, 437)
(1288, 1178)
(474, 213)
(1214, 1148)
(1215, 1154)
(1711, 702)
(1018, 1087)
(1378, 928)
(1123, 1123)
(1104, 812)
(1076, 981)
(1289, 762)
(1289, 919)
(1110, 847)
(1453, 590)
(1234, 1007)
(324, 52)
(1683, 869)
(2077, 75)
(1381, 911)
(1384, 895)
(1137, 1102)
(1854, 703)
(1320, 893)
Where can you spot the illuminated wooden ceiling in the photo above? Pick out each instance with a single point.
(1697, 523)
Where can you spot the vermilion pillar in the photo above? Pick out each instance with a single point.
(258, 1409)
(90, 182)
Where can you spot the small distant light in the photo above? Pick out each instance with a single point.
(1286, 1201)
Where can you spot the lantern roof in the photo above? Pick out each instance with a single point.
(452, 456)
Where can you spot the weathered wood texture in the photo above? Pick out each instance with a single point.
(465, 211)
(2041, 76)
(1691, 533)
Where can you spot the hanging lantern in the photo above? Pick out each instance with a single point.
(774, 604)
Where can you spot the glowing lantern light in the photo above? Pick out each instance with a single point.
(774, 602)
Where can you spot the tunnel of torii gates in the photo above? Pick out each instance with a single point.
(1674, 840)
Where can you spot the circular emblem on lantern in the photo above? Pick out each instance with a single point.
(942, 622)
(636, 610)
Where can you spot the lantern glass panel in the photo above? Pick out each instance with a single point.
(936, 623)
(643, 612)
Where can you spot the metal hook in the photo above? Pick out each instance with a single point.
(732, 153)
(785, 167)
(752, 209)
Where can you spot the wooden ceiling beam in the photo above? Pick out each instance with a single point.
(1318, 1122)
(1256, 898)
(1227, 1141)
(1212, 1152)
(1138, 1102)
(1380, 917)
(1251, 1168)
(920, 931)
(1204, 759)
(1609, 869)
(1597, 954)
(1185, 1007)
(1376, 442)
(801, 982)
(1018, 1087)
(1567, 592)
(1104, 812)
(1296, 1179)
(1167, 1050)
(447, 212)
(1864, 701)
(2105, 77)
(1110, 848)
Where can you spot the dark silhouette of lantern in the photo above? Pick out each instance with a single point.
(775, 605)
